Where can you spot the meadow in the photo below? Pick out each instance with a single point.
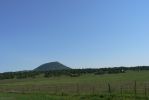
(132, 85)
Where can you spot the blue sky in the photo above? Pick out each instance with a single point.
(78, 33)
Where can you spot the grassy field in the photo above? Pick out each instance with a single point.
(131, 85)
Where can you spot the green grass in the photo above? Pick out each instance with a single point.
(85, 87)
(12, 96)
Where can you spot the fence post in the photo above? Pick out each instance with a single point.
(135, 88)
(109, 88)
(77, 89)
(121, 90)
(62, 91)
(93, 90)
(145, 91)
(56, 89)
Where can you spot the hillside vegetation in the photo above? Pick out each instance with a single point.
(51, 66)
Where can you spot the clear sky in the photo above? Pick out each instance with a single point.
(78, 33)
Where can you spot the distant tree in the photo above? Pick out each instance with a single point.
(100, 72)
(7, 75)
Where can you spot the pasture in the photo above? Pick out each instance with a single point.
(132, 85)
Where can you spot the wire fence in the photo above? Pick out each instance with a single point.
(134, 88)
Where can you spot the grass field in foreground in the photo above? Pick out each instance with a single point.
(12, 96)
(85, 87)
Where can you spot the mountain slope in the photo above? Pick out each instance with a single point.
(51, 66)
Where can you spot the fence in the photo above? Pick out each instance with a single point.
(134, 88)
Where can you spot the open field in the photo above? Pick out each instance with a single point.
(13, 96)
(126, 86)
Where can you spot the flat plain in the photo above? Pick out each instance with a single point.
(132, 85)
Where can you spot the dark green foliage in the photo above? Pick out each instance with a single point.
(51, 73)
(30, 74)
(47, 74)
(8, 75)
(18, 75)
(100, 72)
(115, 71)
(69, 72)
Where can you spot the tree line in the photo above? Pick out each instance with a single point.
(70, 72)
